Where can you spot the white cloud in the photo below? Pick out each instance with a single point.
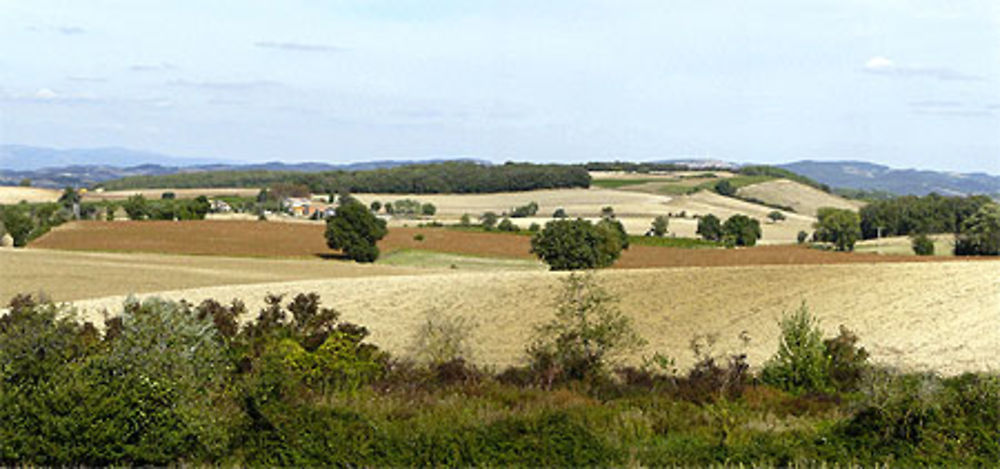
(879, 63)
(45, 93)
(297, 46)
(884, 66)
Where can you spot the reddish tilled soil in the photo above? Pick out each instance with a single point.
(269, 239)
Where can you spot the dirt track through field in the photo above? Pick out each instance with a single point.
(941, 316)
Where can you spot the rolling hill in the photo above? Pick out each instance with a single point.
(874, 177)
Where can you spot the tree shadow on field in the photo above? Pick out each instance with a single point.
(334, 256)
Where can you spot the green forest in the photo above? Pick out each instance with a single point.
(453, 177)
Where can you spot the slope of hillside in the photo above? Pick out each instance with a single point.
(15, 194)
(935, 324)
(868, 176)
(804, 199)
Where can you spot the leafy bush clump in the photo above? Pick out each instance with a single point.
(579, 244)
(922, 245)
(586, 335)
(800, 365)
(805, 363)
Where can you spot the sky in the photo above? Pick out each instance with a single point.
(907, 83)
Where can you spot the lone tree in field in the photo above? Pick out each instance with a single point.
(776, 216)
(489, 220)
(355, 230)
(741, 230)
(579, 244)
(710, 228)
(838, 226)
(660, 224)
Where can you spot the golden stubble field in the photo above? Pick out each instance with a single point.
(636, 210)
(804, 199)
(940, 316)
(14, 195)
(66, 276)
(179, 193)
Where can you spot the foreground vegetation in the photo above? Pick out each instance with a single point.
(173, 383)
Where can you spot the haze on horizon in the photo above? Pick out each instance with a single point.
(907, 83)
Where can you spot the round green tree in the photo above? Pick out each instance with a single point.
(577, 244)
(660, 224)
(838, 226)
(355, 230)
(980, 233)
(710, 228)
(741, 230)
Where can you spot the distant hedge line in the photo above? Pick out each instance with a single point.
(456, 177)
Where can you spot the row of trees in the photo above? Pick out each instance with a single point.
(738, 230)
(454, 177)
(910, 215)
(138, 207)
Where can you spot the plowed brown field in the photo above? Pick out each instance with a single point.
(266, 239)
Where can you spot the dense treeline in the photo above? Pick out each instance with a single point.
(453, 177)
(911, 214)
(177, 384)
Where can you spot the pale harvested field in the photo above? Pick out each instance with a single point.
(15, 194)
(705, 202)
(636, 210)
(576, 202)
(939, 316)
(944, 245)
(180, 193)
(804, 199)
(69, 276)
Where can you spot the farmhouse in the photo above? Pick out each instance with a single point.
(306, 208)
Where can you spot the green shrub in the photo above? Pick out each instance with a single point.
(443, 338)
(922, 245)
(659, 226)
(800, 364)
(507, 225)
(741, 230)
(587, 334)
(724, 187)
(528, 210)
(710, 228)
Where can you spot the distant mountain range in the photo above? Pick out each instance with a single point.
(28, 158)
(874, 177)
(49, 167)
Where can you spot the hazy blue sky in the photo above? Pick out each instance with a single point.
(906, 83)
